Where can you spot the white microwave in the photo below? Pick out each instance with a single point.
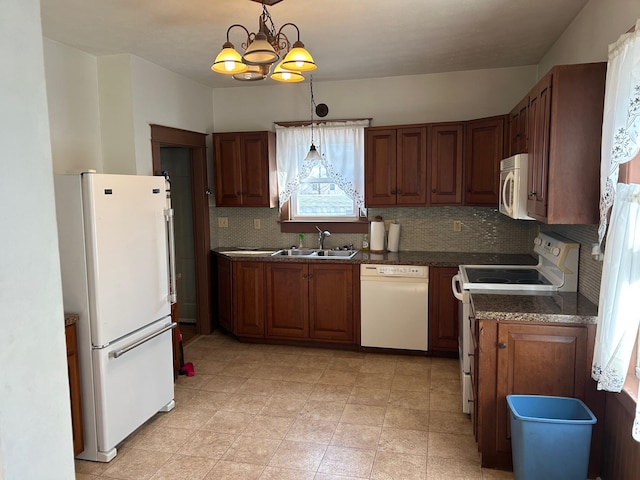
(513, 187)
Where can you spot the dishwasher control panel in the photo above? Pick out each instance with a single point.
(406, 271)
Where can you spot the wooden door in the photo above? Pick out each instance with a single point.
(482, 155)
(331, 314)
(446, 163)
(411, 166)
(227, 169)
(537, 360)
(380, 167)
(254, 157)
(443, 311)
(518, 127)
(248, 298)
(225, 293)
(287, 300)
(540, 117)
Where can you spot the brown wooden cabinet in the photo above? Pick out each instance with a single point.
(224, 293)
(484, 149)
(526, 359)
(395, 166)
(519, 127)
(245, 169)
(565, 129)
(445, 163)
(310, 301)
(74, 388)
(443, 311)
(248, 299)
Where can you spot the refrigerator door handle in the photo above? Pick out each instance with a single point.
(168, 214)
(128, 348)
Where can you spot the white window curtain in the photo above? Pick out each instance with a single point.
(341, 146)
(618, 312)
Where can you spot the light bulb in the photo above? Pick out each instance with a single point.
(229, 65)
(286, 75)
(299, 64)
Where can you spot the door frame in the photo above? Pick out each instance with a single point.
(162, 136)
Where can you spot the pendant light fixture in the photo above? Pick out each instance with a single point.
(313, 155)
(263, 49)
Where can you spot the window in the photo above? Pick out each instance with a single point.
(329, 189)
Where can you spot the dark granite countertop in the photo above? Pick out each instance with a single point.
(70, 319)
(432, 259)
(553, 307)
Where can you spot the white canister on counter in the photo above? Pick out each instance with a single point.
(377, 235)
(394, 237)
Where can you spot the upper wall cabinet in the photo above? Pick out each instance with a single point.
(245, 169)
(395, 166)
(445, 163)
(565, 130)
(519, 127)
(484, 149)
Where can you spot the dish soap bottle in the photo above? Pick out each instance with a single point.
(300, 239)
(365, 243)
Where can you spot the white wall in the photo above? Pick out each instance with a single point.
(72, 95)
(35, 419)
(599, 24)
(388, 101)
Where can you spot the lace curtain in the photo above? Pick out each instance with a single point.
(341, 146)
(618, 312)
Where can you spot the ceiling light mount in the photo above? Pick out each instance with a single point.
(262, 49)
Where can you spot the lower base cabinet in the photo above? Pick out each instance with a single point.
(443, 311)
(528, 359)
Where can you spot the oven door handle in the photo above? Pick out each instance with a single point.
(455, 282)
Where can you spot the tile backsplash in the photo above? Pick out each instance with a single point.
(483, 229)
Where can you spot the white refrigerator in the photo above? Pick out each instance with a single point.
(116, 236)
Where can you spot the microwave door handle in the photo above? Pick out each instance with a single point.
(508, 184)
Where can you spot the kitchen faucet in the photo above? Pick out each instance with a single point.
(321, 236)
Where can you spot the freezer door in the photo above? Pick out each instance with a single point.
(133, 381)
(127, 253)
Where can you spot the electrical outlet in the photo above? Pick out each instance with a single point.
(256, 223)
(223, 222)
(457, 226)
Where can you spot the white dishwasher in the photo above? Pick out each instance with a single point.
(394, 303)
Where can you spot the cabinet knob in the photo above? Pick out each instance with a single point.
(502, 345)
(399, 192)
(532, 194)
(433, 190)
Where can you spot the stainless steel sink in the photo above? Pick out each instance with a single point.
(244, 253)
(316, 253)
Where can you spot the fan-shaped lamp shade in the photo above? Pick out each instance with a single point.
(298, 59)
(260, 52)
(313, 154)
(228, 61)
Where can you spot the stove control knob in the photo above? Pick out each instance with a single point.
(555, 251)
(537, 241)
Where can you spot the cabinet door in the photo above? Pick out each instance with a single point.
(540, 118)
(254, 155)
(482, 155)
(225, 294)
(331, 302)
(446, 164)
(518, 127)
(411, 166)
(537, 360)
(380, 167)
(443, 311)
(227, 170)
(73, 370)
(287, 299)
(248, 298)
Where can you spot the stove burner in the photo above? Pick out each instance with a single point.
(511, 276)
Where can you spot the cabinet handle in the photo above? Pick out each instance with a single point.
(305, 275)
(310, 276)
(532, 194)
(502, 345)
(433, 190)
(399, 192)
(393, 192)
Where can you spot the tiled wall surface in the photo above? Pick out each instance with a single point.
(422, 229)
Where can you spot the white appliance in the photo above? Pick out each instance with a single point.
(115, 238)
(394, 302)
(513, 187)
(556, 271)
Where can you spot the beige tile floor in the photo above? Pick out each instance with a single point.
(285, 413)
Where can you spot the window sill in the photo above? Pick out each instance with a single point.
(347, 226)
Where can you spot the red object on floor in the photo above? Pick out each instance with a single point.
(187, 369)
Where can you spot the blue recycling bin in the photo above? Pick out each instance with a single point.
(550, 437)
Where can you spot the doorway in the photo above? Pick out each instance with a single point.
(183, 154)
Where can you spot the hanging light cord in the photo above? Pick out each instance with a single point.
(313, 103)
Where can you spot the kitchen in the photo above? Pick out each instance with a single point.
(77, 142)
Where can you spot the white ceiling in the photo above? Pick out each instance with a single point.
(349, 39)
